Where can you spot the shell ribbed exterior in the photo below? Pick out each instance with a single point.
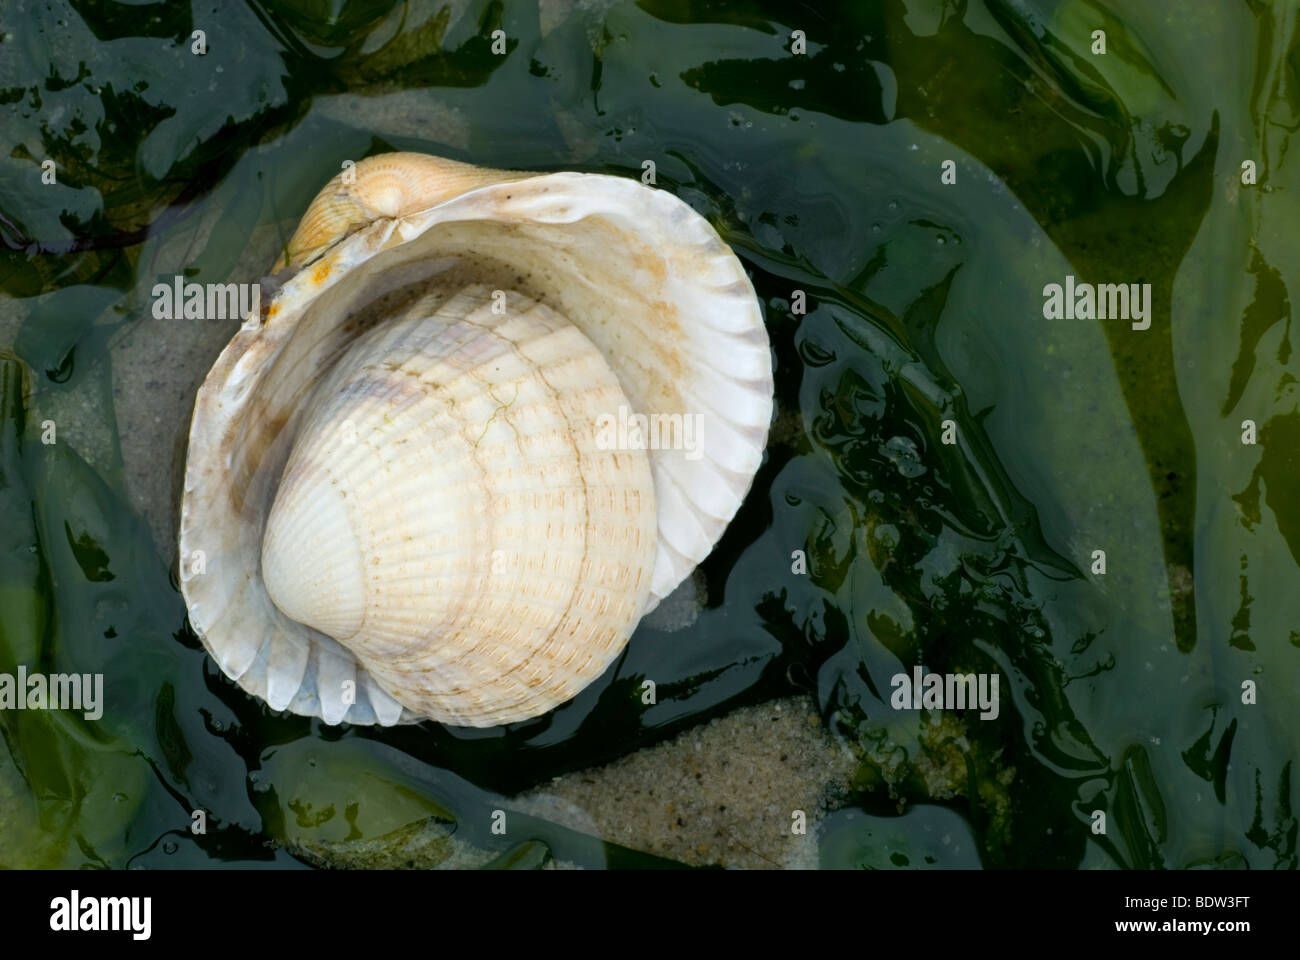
(504, 558)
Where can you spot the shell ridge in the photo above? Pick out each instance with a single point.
(490, 329)
(551, 639)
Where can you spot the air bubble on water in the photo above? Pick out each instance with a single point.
(903, 453)
(170, 846)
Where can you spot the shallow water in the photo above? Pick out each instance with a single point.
(1121, 692)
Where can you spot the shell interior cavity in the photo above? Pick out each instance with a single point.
(487, 423)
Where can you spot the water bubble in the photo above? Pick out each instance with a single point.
(170, 846)
(905, 456)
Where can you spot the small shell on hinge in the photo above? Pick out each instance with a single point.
(388, 186)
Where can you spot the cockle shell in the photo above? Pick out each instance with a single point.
(401, 499)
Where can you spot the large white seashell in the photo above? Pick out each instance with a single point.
(401, 500)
